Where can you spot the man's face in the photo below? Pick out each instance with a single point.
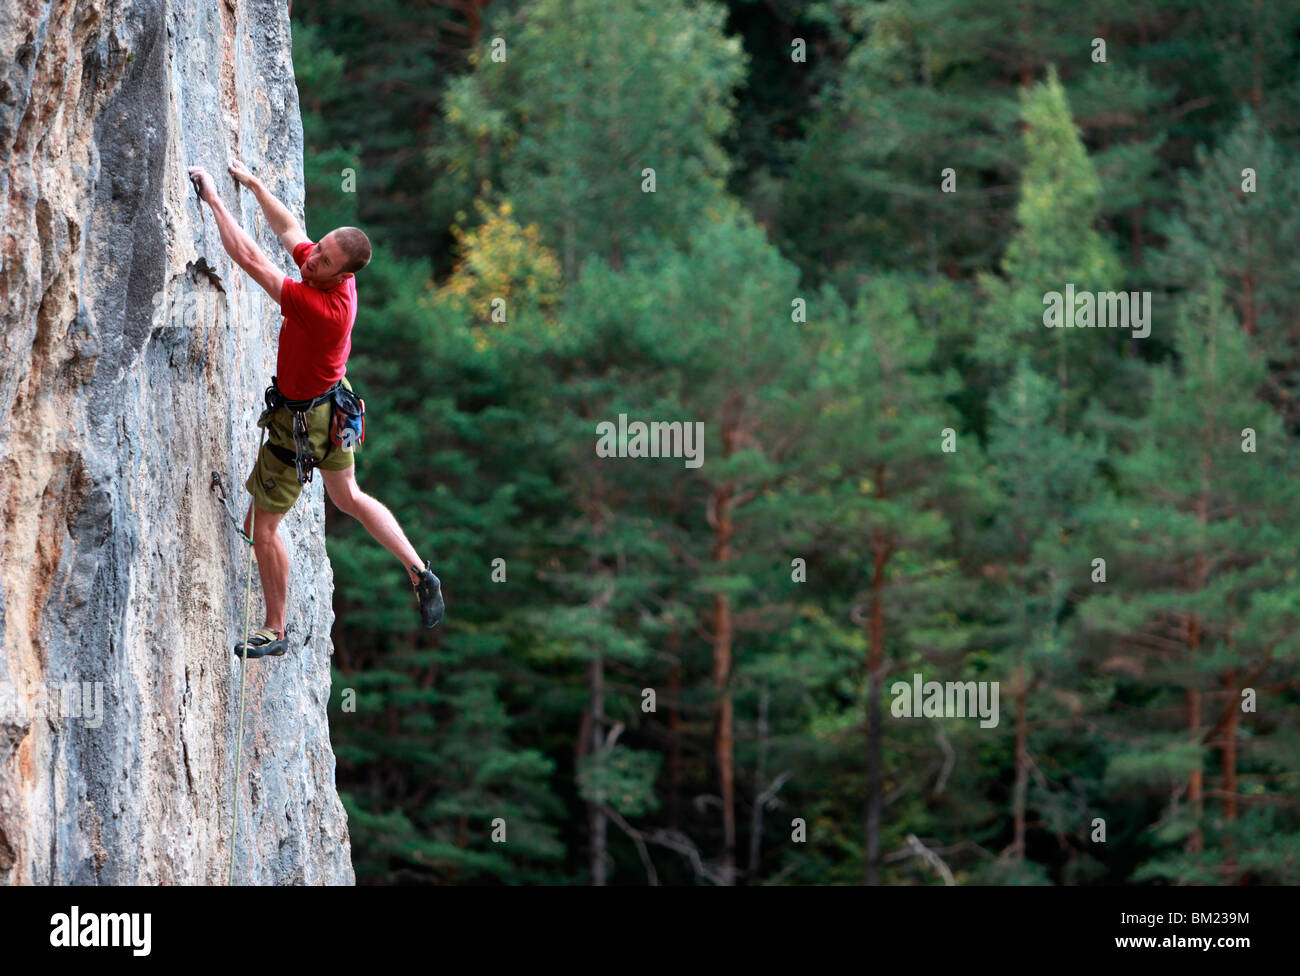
(323, 264)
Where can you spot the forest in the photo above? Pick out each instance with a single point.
(988, 315)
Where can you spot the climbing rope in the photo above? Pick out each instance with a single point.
(239, 741)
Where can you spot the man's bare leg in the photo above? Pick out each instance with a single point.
(272, 565)
(344, 492)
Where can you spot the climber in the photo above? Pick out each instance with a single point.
(315, 339)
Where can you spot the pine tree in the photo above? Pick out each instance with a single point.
(890, 477)
(720, 351)
(1056, 246)
(1041, 478)
(1244, 228)
(1200, 600)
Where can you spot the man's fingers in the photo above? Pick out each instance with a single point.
(202, 182)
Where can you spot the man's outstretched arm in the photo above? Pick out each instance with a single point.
(243, 250)
(286, 228)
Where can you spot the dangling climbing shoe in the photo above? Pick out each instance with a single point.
(429, 591)
(262, 642)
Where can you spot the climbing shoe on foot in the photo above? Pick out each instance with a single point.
(262, 642)
(428, 589)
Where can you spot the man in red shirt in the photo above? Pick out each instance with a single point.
(315, 340)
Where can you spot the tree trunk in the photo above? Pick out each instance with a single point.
(474, 14)
(1026, 67)
(594, 718)
(1249, 316)
(1196, 784)
(1135, 237)
(1229, 749)
(1229, 754)
(568, 232)
(760, 784)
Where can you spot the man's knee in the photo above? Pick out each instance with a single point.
(344, 493)
(264, 527)
(358, 504)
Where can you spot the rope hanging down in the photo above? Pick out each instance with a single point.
(243, 667)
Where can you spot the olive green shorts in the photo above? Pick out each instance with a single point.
(274, 484)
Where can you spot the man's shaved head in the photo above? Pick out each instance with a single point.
(335, 258)
(355, 246)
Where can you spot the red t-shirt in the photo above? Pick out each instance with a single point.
(316, 336)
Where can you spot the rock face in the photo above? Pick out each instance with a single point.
(128, 376)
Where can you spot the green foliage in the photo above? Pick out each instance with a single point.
(1249, 237)
(916, 472)
(319, 71)
(592, 94)
(623, 779)
(1202, 595)
(1056, 245)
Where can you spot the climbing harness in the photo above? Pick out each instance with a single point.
(301, 457)
(347, 425)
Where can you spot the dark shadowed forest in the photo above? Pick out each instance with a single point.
(857, 439)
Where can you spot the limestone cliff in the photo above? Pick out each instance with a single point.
(128, 376)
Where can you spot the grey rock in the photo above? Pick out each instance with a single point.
(133, 356)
